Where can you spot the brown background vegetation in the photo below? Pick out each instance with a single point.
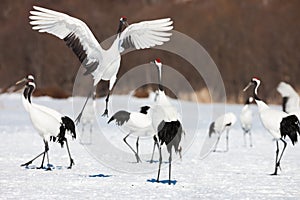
(245, 38)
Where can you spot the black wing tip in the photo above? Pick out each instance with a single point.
(111, 119)
(121, 117)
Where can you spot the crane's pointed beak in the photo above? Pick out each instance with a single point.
(249, 84)
(21, 81)
(125, 23)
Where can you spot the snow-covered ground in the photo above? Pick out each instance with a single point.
(106, 169)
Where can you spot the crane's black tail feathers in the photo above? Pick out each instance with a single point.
(290, 126)
(211, 129)
(69, 125)
(170, 133)
(66, 124)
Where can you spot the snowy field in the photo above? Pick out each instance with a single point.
(241, 173)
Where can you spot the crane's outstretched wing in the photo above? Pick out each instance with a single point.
(74, 32)
(146, 34)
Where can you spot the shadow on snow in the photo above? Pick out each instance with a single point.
(173, 182)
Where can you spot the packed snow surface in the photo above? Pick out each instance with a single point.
(105, 167)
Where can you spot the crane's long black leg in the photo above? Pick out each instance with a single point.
(170, 165)
(227, 140)
(137, 146)
(106, 105)
(155, 143)
(71, 160)
(48, 165)
(250, 138)
(45, 152)
(29, 162)
(278, 162)
(160, 161)
(135, 153)
(90, 136)
(77, 120)
(245, 142)
(277, 151)
(215, 148)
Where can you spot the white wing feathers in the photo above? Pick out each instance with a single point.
(293, 99)
(75, 32)
(286, 90)
(146, 34)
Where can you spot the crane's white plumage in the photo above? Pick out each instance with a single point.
(136, 123)
(290, 97)
(246, 117)
(278, 123)
(49, 123)
(146, 34)
(166, 123)
(270, 118)
(222, 123)
(102, 64)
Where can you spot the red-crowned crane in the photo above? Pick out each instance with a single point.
(136, 123)
(278, 123)
(50, 124)
(222, 123)
(246, 118)
(166, 121)
(100, 63)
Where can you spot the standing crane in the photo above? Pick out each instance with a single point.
(50, 124)
(278, 123)
(246, 120)
(222, 123)
(166, 121)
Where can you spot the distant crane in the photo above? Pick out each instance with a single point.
(88, 118)
(278, 123)
(137, 123)
(290, 98)
(222, 123)
(246, 120)
(50, 124)
(165, 120)
(102, 64)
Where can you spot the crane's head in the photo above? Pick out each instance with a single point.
(26, 80)
(123, 21)
(254, 81)
(158, 64)
(29, 86)
(144, 109)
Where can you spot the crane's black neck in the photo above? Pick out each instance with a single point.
(28, 91)
(255, 91)
(120, 27)
(284, 102)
